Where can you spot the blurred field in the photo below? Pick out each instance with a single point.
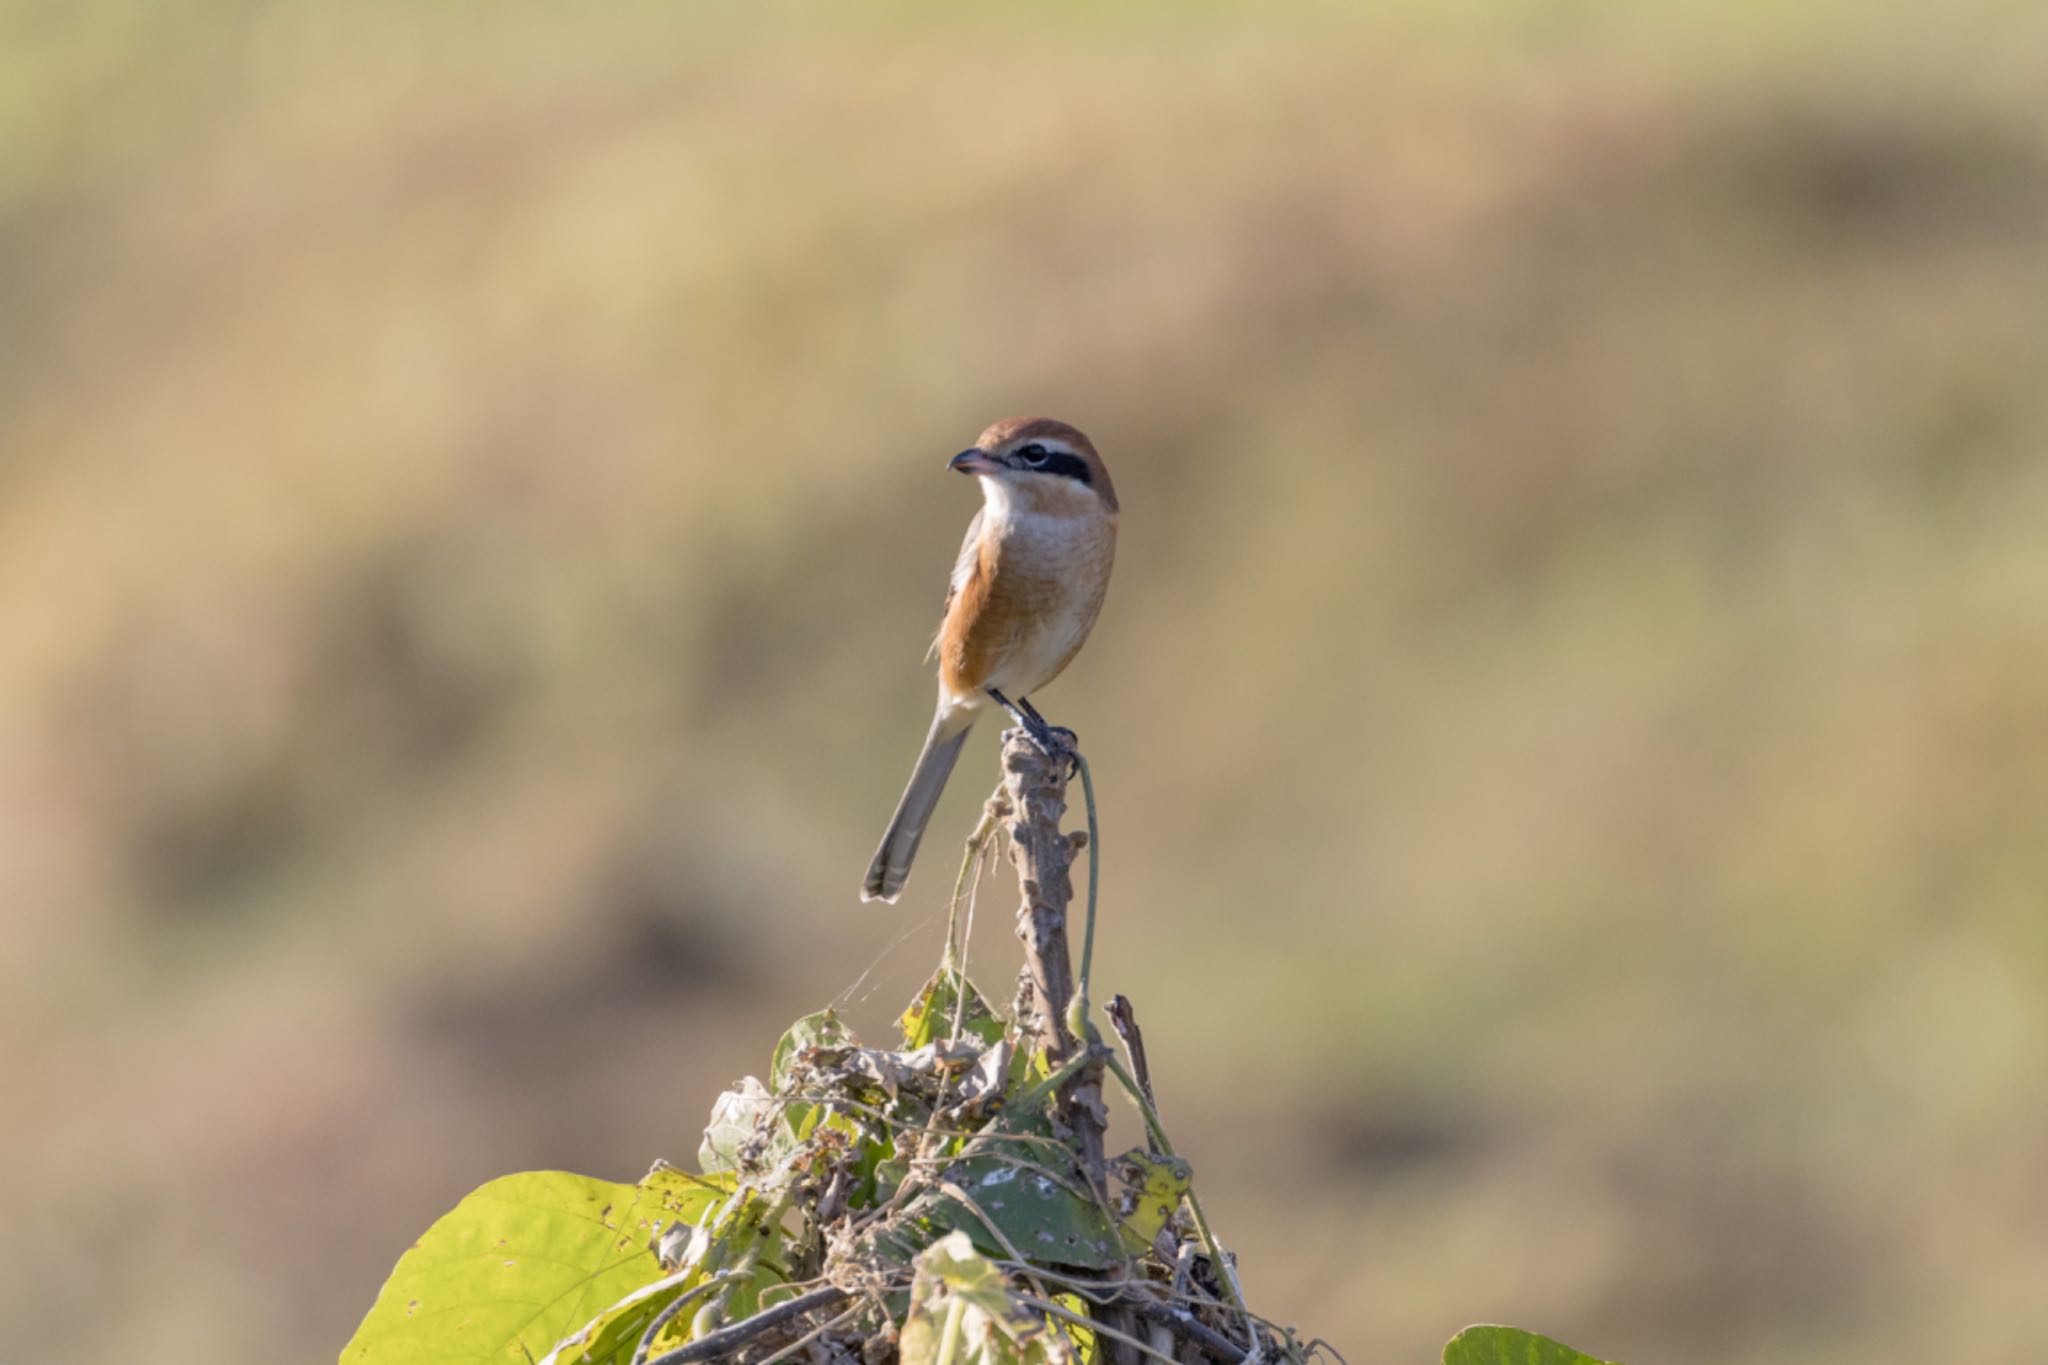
(1570, 713)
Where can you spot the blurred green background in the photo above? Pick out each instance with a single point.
(1570, 715)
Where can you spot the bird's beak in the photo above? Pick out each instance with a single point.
(975, 461)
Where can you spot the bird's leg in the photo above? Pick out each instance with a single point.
(1054, 739)
(1023, 721)
(1066, 738)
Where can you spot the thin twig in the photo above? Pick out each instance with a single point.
(1150, 1297)
(807, 1338)
(726, 1340)
(990, 826)
(1182, 1320)
(1030, 1099)
(667, 1315)
(1124, 1019)
(1094, 884)
(1095, 1291)
(970, 858)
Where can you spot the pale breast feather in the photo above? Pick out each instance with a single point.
(1048, 587)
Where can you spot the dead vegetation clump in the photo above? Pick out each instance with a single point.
(940, 1200)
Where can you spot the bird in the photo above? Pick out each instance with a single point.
(1024, 594)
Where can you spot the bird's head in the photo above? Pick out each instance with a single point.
(1040, 465)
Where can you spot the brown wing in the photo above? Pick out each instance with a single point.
(963, 568)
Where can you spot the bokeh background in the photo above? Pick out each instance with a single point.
(1570, 715)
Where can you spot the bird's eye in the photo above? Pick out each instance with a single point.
(1033, 454)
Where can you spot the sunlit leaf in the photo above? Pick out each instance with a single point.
(746, 1229)
(1148, 1189)
(516, 1266)
(685, 1197)
(1087, 1346)
(1511, 1346)
(614, 1335)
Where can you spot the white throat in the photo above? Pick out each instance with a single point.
(1048, 499)
(998, 500)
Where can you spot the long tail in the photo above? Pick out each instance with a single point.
(891, 866)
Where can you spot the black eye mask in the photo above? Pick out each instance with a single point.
(1038, 459)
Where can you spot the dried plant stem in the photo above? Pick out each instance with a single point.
(1036, 784)
(1124, 1019)
(992, 812)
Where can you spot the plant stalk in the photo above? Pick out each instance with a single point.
(1036, 784)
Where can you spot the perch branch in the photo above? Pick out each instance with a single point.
(1036, 782)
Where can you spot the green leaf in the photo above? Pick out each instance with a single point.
(614, 1335)
(806, 1036)
(953, 1262)
(930, 1017)
(957, 1291)
(748, 1236)
(1147, 1190)
(1045, 1219)
(684, 1197)
(519, 1264)
(1087, 1346)
(1511, 1346)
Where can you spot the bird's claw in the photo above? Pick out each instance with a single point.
(1056, 741)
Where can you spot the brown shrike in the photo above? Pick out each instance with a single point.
(1025, 592)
